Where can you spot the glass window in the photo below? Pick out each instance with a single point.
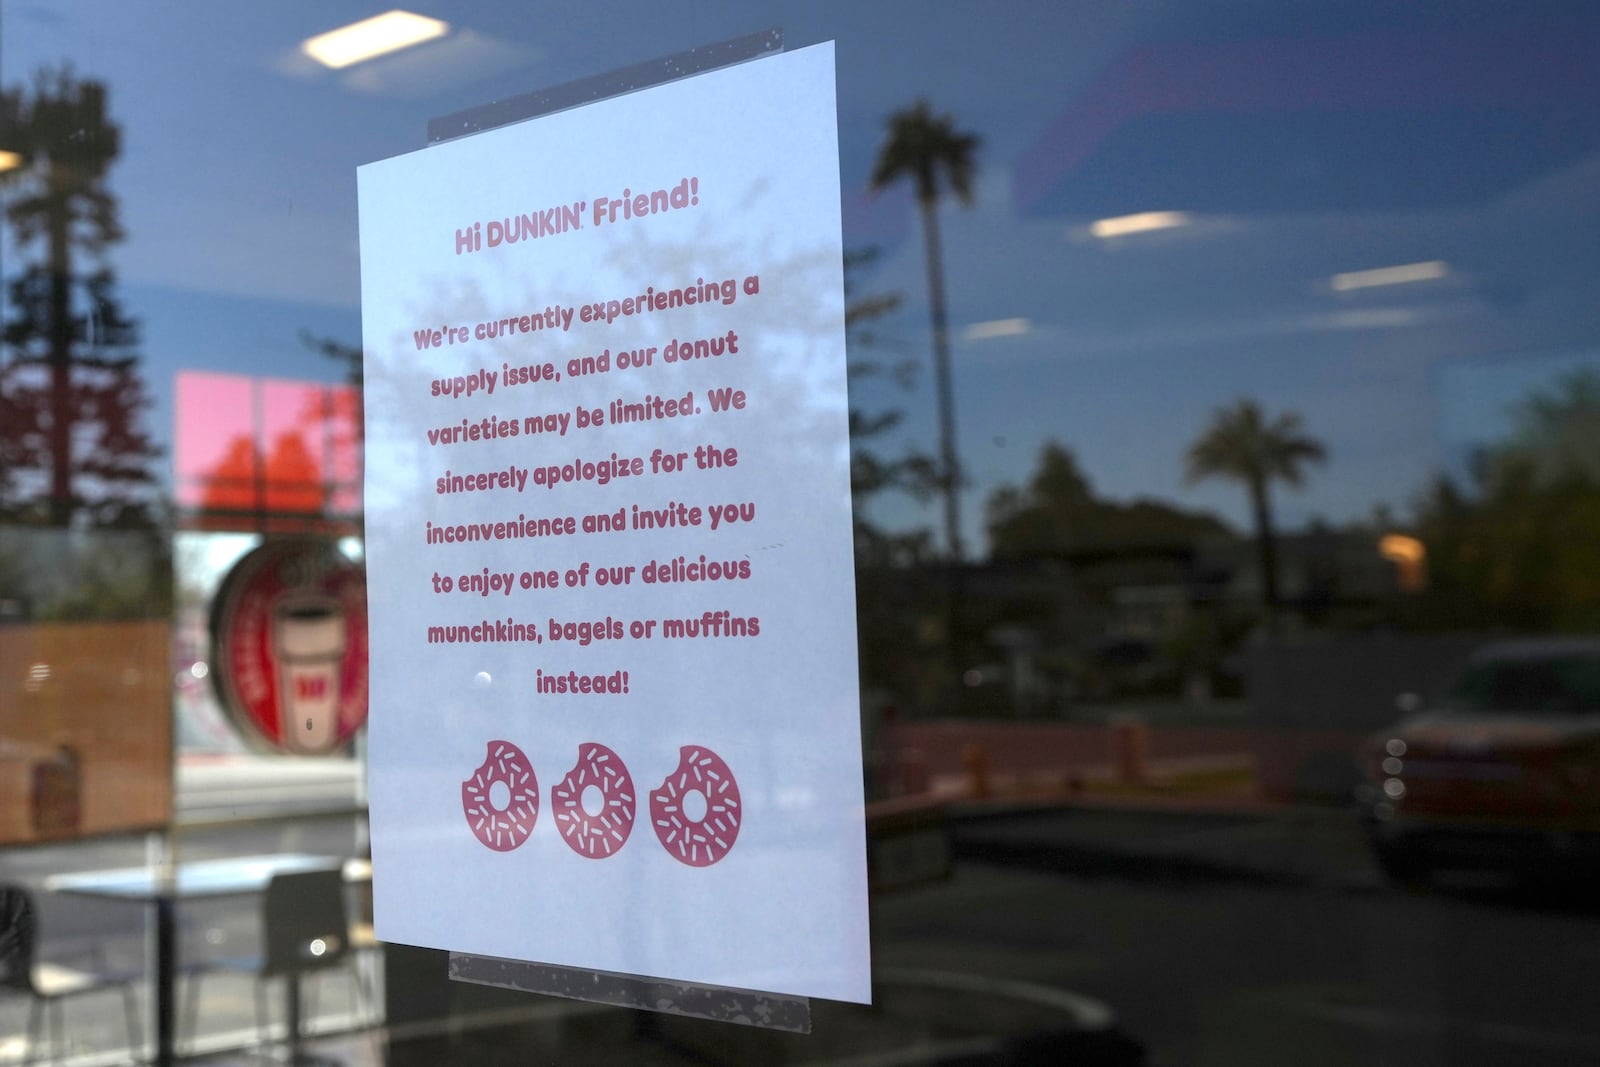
(1224, 381)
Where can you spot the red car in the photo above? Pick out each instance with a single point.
(1503, 771)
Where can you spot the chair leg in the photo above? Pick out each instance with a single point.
(361, 995)
(309, 985)
(261, 1013)
(135, 1035)
(191, 1009)
(58, 1031)
(360, 971)
(35, 1014)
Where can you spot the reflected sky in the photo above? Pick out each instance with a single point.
(1301, 142)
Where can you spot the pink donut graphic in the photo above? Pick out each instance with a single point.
(698, 842)
(600, 835)
(502, 828)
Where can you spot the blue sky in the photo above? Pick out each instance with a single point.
(1302, 140)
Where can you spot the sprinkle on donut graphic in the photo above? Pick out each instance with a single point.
(602, 833)
(502, 818)
(696, 810)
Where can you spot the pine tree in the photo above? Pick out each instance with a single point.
(73, 448)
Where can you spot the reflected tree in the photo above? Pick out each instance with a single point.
(890, 564)
(347, 356)
(874, 471)
(295, 477)
(72, 400)
(1555, 437)
(1076, 552)
(1518, 545)
(933, 155)
(232, 483)
(1242, 444)
(350, 429)
(1058, 514)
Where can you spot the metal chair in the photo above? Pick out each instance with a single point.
(304, 931)
(50, 984)
(367, 955)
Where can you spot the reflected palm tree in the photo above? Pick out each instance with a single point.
(1242, 444)
(933, 154)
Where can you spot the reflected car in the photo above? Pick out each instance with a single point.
(1502, 772)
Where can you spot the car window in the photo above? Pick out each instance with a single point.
(1534, 686)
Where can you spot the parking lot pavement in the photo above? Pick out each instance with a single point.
(1163, 841)
(1289, 846)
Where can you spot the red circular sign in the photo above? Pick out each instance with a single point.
(289, 645)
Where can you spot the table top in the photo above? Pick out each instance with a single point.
(203, 878)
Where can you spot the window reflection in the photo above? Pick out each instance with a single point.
(1225, 460)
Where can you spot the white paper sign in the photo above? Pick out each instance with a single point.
(615, 708)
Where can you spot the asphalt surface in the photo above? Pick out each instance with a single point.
(1307, 848)
(1212, 938)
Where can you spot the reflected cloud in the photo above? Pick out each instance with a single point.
(1400, 274)
(1142, 222)
(1369, 319)
(983, 331)
(1055, 341)
(1151, 231)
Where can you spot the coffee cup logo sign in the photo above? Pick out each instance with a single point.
(289, 646)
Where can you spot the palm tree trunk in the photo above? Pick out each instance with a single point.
(950, 471)
(1267, 546)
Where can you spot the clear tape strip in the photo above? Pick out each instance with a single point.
(747, 1007)
(600, 86)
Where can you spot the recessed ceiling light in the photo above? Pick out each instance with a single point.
(10, 160)
(1143, 222)
(369, 38)
(1396, 275)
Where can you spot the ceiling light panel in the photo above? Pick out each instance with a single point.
(370, 38)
